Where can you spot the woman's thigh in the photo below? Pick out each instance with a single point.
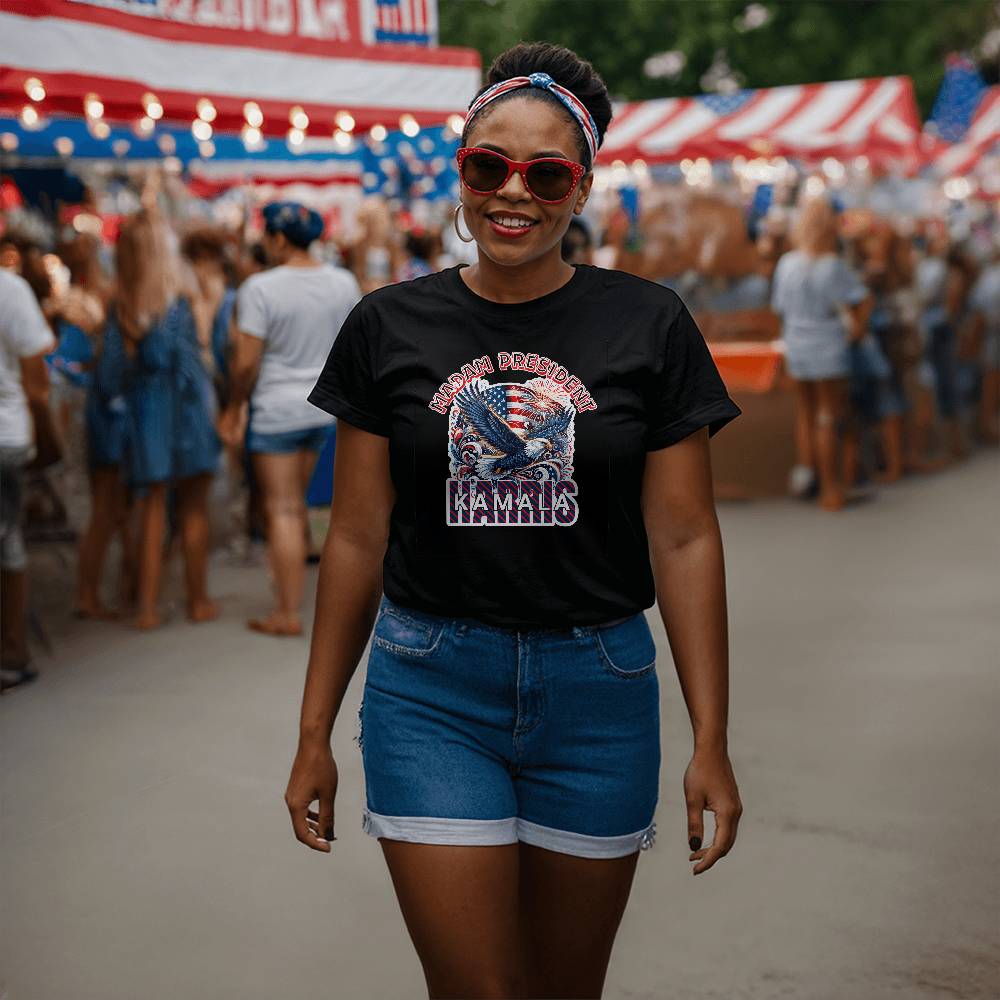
(460, 907)
(831, 396)
(570, 911)
(279, 478)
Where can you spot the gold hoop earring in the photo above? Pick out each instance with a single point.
(458, 208)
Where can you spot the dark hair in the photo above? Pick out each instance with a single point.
(420, 244)
(567, 69)
(577, 235)
(205, 242)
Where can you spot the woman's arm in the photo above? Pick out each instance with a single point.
(686, 553)
(347, 601)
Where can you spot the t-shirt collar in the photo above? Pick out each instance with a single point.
(560, 297)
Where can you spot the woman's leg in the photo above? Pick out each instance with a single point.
(460, 906)
(891, 429)
(307, 464)
(989, 405)
(105, 511)
(279, 477)
(831, 402)
(192, 498)
(570, 910)
(152, 528)
(805, 398)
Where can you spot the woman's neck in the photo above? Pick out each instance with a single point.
(520, 283)
(301, 258)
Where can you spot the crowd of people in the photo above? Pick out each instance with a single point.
(189, 363)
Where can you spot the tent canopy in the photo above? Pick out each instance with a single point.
(292, 59)
(877, 118)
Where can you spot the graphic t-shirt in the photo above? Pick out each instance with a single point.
(518, 435)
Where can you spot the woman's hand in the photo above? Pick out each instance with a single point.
(709, 784)
(232, 425)
(314, 776)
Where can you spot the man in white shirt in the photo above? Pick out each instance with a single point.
(287, 319)
(25, 339)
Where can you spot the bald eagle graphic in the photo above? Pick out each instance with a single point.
(539, 439)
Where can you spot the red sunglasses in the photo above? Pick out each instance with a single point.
(550, 179)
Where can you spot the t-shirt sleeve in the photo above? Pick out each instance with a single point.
(348, 387)
(688, 392)
(251, 313)
(848, 287)
(25, 329)
(778, 287)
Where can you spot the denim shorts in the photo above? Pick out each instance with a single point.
(473, 734)
(287, 442)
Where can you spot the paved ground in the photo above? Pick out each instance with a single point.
(146, 851)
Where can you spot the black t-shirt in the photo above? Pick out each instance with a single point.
(518, 435)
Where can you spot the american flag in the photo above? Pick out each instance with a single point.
(408, 21)
(520, 405)
(845, 118)
(957, 99)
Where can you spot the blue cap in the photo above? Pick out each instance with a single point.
(299, 224)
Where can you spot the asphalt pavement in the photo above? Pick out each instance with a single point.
(145, 849)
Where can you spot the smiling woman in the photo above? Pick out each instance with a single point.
(522, 469)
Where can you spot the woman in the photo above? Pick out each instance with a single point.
(287, 319)
(824, 308)
(82, 365)
(516, 438)
(170, 408)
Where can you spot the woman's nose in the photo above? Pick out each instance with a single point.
(515, 189)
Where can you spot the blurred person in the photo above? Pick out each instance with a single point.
(576, 244)
(541, 781)
(213, 300)
(170, 405)
(25, 340)
(287, 319)
(824, 308)
(939, 285)
(419, 247)
(875, 362)
(80, 314)
(984, 303)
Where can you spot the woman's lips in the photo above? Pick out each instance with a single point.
(510, 232)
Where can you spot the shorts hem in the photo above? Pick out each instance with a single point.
(496, 832)
(584, 845)
(434, 830)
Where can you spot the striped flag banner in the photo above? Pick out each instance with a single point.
(320, 56)
(875, 117)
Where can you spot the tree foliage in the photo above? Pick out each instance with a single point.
(804, 41)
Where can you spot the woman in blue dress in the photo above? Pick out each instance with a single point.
(170, 405)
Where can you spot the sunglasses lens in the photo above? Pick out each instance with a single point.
(483, 171)
(550, 181)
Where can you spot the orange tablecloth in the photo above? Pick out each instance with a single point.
(748, 366)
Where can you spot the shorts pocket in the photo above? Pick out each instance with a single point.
(627, 649)
(407, 635)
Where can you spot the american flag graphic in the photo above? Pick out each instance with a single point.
(405, 21)
(520, 405)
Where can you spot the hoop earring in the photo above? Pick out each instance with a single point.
(458, 208)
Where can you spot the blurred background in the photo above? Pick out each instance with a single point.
(144, 847)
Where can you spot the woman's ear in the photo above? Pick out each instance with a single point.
(584, 192)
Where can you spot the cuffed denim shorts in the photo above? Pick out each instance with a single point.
(473, 734)
(288, 442)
